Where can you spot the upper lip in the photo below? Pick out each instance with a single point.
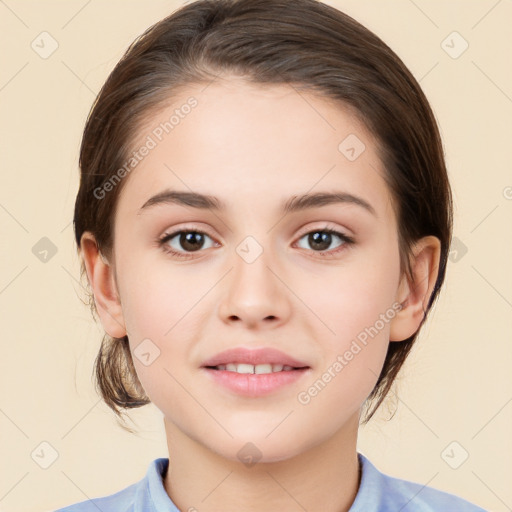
(254, 357)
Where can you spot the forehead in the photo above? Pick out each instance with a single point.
(254, 144)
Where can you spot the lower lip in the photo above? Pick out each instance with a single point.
(254, 384)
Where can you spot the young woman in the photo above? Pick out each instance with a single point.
(264, 218)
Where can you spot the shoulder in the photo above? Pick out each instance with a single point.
(383, 493)
(133, 498)
(121, 501)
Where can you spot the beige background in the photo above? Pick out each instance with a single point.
(455, 387)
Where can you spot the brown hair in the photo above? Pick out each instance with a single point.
(304, 43)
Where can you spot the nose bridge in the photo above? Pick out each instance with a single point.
(254, 293)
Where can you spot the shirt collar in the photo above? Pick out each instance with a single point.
(152, 492)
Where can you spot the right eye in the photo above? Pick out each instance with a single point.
(183, 242)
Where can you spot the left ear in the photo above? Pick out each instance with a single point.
(415, 295)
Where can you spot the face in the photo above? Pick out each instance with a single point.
(317, 281)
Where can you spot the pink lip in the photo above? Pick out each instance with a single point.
(252, 384)
(254, 357)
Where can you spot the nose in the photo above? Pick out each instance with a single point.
(255, 294)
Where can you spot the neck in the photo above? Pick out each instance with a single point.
(327, 474)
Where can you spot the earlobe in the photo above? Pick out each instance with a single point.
(101, 278)
(414, 296)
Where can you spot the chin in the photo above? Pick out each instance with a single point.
(260, 449)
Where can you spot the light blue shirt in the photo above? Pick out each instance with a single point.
(377, 493)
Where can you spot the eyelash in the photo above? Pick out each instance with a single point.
(162, 241)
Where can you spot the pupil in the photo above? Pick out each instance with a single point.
(191, 241)
(320, 239)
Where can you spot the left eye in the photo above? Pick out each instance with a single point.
(190, 241)
(321, 239)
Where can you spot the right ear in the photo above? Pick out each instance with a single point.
(101, 278)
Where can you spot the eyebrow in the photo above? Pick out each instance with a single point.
(294, 204)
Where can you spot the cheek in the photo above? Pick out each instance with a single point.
(355, 306)
(161, 308)
(354, 297)
(156, 295)
(358, 309)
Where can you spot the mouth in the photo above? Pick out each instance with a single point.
(256, 360)
(258, 369)
(252, 381)
(255, 372)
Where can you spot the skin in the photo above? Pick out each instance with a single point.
(254, 147)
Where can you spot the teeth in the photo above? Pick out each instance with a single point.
(244, 368)
(250, 368)
(263, 368)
